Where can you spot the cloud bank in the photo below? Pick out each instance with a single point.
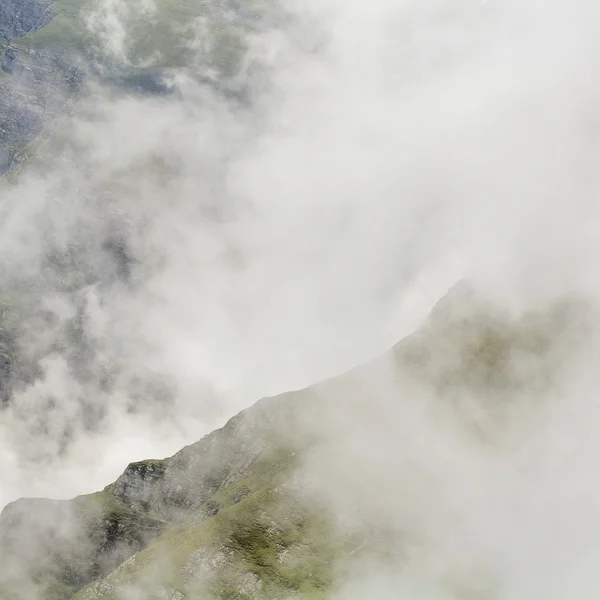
(173, 258)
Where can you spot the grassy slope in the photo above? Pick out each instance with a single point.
(200, 38)
(64, 32)
(220, 519)
(164, 37)
(249, 541)
(66, 541)
(246, 541)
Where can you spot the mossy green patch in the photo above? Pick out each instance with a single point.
(245, 544)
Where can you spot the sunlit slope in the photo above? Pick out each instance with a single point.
(230, 516)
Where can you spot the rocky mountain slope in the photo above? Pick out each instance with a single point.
(50, 49)
(55, 56)
(238, 514)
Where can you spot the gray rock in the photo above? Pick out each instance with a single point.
(20, 17)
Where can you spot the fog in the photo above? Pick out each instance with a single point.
(380, 152)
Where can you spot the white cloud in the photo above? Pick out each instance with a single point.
(286, 240)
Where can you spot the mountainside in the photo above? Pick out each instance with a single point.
(242, 513)
(206, 202)
(53, 51)
(55, 58)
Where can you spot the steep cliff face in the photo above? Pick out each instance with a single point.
(228, 516)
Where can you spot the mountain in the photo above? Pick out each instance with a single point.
(55, 52)
(260, 508)
(55, 57)
(293, 494)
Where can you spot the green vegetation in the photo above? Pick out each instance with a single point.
(132, 51)
(476, 347)
(224, 517)
(65, 32)
(267, 539)
(170, 34)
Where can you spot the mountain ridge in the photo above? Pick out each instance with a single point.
(242, 474)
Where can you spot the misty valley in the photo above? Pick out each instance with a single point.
(298, 300)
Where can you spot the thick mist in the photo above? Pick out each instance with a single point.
(176, 258)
